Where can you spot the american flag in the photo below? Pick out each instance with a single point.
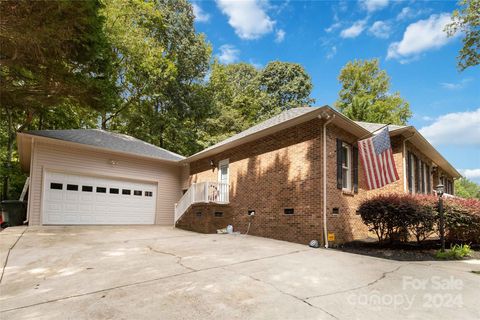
(377, 159)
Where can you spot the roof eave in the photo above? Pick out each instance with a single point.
(60, 141)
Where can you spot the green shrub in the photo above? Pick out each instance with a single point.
(455, 253)
(390, 216)
(403, 217)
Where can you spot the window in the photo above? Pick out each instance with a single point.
(56, 186)
(426, 178)
(87, 188)
(411, 172)
(113, 190)
(101, 190)
(72, 187)
(148, 194)
(346, 167)
(126, 192)
(137, 192)
(218, 214)
(288, 211)
(335, 211)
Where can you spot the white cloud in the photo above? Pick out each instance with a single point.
(473, 174)
(457, 85)
(355, 30)
(333, 27)
(247, 17)
(200, 15)
(380, 29)
(421, 36)
(374, 5)
(409, 13)
(228, 54)
(279, 36)
(332, 52)
(458, 128)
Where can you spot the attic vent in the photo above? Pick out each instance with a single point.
(335, 211)
(288, 211)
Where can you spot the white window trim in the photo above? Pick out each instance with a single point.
(348, 167)
(223, 163)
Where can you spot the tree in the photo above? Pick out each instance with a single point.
(52, 52)
(242, 96)
(287, 84)
(467, 21)
(365, 96)
(160, 65)
(466, 188)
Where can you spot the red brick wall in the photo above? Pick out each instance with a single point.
(284, 170)
(201, 218)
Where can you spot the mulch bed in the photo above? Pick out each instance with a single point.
(401, 251)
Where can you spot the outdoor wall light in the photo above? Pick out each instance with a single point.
(440, 189)
(212, 163)
(113, 162)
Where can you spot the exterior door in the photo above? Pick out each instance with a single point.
(223, 179)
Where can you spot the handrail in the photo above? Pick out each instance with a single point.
(202, 192)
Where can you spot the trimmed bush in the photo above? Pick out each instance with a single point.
(402, 217)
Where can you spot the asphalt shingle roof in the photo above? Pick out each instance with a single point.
(370, 126)
(282, 117)
(109, 140)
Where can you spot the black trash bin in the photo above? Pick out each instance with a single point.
(14, 212)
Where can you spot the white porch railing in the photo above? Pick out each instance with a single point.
(202, 192)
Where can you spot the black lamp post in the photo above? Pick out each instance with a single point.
(440, 188)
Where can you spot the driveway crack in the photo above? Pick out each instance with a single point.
(383, 276)
(282, 291)
(179, 258)
(8, 254)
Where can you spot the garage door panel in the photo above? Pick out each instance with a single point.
(94, 201)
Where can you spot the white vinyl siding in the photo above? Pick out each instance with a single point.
(73, 159)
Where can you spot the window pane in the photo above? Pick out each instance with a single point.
(345, 156)
(148, 193)
(87, 188)
(126, 191)
(114, 190)
(56, 186)
(101, 190)
(72, 187)
(345, 178)
(137, 193)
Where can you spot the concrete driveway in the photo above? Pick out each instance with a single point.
(164, 273)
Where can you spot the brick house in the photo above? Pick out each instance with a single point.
(294, 177)
(275, 170)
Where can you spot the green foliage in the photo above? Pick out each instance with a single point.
(456, 252)
(365, 96)
(403, 216)
(467, 189)
(467, 22)
(287, 85)
(242, 95)
(160, 63)
(52, 51)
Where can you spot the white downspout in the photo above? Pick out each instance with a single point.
(29, 204)
(325, 229)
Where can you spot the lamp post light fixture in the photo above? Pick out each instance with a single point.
(440, 189)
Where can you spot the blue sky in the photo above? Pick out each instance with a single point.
(322, 36)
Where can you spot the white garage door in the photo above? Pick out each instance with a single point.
(74, 199)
